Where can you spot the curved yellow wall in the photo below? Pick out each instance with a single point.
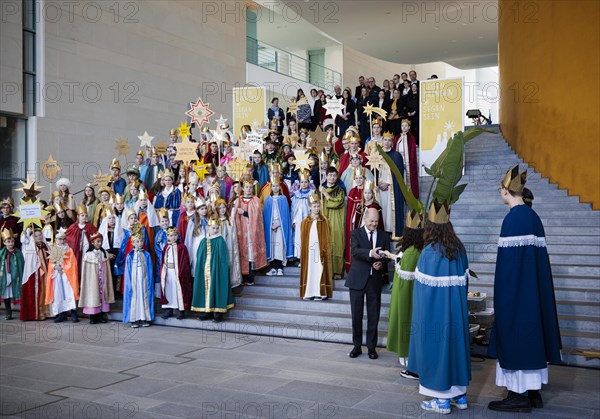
(549, 76)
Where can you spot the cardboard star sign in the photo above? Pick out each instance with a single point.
(50, 169)
(29, 189)
(301, 161)
(199, 113)
(184, 130)
(375, 161)
(122, 146)
(31, 212)
(186, 151)
(145, 140)
(334, 107)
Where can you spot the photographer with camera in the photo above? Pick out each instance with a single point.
(369, 265)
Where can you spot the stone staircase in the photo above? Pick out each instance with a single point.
(272, 308)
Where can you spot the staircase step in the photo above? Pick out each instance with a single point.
(552, 240)
(550, 230)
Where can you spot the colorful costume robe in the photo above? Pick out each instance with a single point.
(62, 289)
(97, 291)
(440, 345)
(175, 277)
(352, 219)
(316, 274)
(526, 334)
(261, 174)
(186, 232)
(11, 222)
(171, 201)
(11, 273)
(348, 178)
(279, 244)
(333, 209)
(229, 233)
(160, 241)
(212, 292)
(345, 161)
(265, 191)
(251, 234)
(406, 145)
(79, 240)
(126, 248)
(400, 314)
(392, 200)
(300, 209)
(138, 296)
(33, 300)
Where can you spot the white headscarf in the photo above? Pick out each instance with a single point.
(117, 233)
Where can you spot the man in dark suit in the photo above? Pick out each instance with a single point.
(365, 279)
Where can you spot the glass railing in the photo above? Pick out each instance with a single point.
(282, 62)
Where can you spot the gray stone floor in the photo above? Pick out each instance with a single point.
(111, 371)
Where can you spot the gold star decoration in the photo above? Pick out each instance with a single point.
(369, 109)
(102, 179)
(184, 130)
(199, 113)
(221, 121)
(319, 139)
(161, 148)
(186, 151)
(301, 161)
(237, 168)
(31, 212)
(145, 140)
(334, 107)
(293, 108)
(57, 253)
(122, 146)
(50, 168)
(375, 161)
(254, 141)
(30, 191)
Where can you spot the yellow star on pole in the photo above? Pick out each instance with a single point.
(57, 253)
(301, 161)
(293, 108)
(50, 168)
(186, 151)
(184, 130)
(31, 213)
(368, 110)
(375, 161)
(122, 146)
(145, 140)
(29, 189)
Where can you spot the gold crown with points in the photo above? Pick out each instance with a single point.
(414, 220)
(388, 134)
(7, 234)
(359, 171)
(439, 213)
(115, 164)
(313, 197)
(168, 173)
(162, 213)
(81, 209)
(369, 184)
(214, 221)
(515, 181)
(304, 175)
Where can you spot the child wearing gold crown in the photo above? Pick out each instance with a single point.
(147, 217)
(333, 207)
(131, 226)
(315, 255)
(300, 209)
(212, 296)
(278, 229)
(62, 280)
(96, 282)
(175, 276)
(9, 221)
(169, 197)
(11, 270)
(229, 233)
(35, 249)
(112, 237)
(160, 241)
(138, 295)
(192, 225)
(79, 234)
(106, 194)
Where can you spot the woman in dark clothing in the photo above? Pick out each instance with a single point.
(412, 110)
(363, 119)
(343, 122)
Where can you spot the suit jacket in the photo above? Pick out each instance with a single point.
(361, 261)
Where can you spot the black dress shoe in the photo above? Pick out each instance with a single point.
(373, 354)
(168, 313)
(514, 402)
(535, 399)
(356, 351)
(181, 315)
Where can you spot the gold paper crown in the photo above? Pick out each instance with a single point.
(313, 197)
(286, 141)
(173, 132)
(275, 179)
(303, 131)
(406, 121)
(153, 152)
(275, 167)
(200, 202)
(187, 196)
(172, 230)
(81, 209)
(359, 171)
(369, 184)
(7, 234)
(137, 236)
(115, 164)
(140, 153)
(219, 202)
(108, 212)
(95, 236)
(214, 221)
(354, 138)
(162, 213)
(142, 195)
(58, 206)
(160, 174)
(304, 175)
(247, 181)
(168, 173)
(7, 201)
(515, 181)
(119, 199)
(129, 212)
(378, 121)
(388, 134)
(414, 220)
(439, 213)
(106, 189)
(323, 157)
(61, 234)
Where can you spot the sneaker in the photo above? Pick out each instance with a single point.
(460, 402)
(409, 375)
(279, 272)
(135, 325)
(145, 324)
(437, 405)
(272, 272)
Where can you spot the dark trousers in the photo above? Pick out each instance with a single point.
(276, 264)
(372, 292)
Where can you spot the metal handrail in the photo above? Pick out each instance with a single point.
(275, 59)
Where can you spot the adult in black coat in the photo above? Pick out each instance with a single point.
(366, 279)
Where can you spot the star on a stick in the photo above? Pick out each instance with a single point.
(186, 151)
(30, 191)
(161, 148)
(221, 121)
(102, 179)
(200, 113)
(375, 160)
(334, 107)
(57, 253)
(145, 140)
(237, 168)
(184, 130)
(50, 168)
(301, 161)
(31, 213)
(122, 146)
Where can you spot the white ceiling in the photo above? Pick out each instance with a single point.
(461, 33)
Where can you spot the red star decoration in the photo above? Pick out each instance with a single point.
(199, 113)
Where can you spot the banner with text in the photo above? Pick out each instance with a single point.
(249, 107)
(441, 115)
